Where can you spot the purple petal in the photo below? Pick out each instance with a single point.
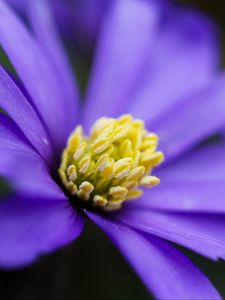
(18, 4)
(22, 165)
(185, 42)
(28, 175)
(78, 20)
(188, 122)
(121, 53)
(164, 270)
(12, 138)
(86, 19)
(17, 106)
(194, 183)
(201, 233)
(37, 74)
(44, 27)
(29, 230)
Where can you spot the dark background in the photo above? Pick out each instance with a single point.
(91, 268)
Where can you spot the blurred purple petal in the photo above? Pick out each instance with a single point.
(164, 270)
(28, 175)
(18, 4)
(122, 49)
(78, 20)
(194, 183)
(188, 122)
(86, 20)
(22, 165)
(12, 138)
(203, 233)
(183, 58)
(44, 27)
(30, 229)
(37, 74)
(17, 106)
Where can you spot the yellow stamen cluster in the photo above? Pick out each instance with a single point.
(108, 167)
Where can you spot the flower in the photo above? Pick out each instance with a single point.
(162, 69)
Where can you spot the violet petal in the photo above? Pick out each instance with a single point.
(17, 106)
(203, 233)
(185, 57)
(122, 49)
(29, 230)
(194, 183)
(45, 28)
(36, 73)
(23, 166)
(164, 270)
(188, 122)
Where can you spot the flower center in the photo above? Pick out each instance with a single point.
(108, 167)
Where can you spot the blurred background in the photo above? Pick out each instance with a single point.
(92, 268)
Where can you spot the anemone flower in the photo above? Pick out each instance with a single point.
(160, 69)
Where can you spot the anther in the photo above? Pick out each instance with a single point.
(118, 192)
(78, 152)
(149, 181)
(72, 172)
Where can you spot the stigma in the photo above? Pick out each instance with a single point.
(109, 167)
